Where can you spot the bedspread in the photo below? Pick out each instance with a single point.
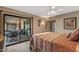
(52, 42)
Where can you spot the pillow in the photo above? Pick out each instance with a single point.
(74, 35)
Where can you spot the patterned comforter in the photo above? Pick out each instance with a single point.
(52, 42)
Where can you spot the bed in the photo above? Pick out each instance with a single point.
(52, 42)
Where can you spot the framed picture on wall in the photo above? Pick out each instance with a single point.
(39, 22)
(70, 23)
(46, 25)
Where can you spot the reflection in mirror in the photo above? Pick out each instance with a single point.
(17, 29)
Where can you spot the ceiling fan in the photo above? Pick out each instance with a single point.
(54, 10)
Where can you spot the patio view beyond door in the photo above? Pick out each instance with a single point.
(17, 29)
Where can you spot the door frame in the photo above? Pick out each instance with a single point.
(51, 24)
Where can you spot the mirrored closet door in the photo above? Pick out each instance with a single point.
(17, 29)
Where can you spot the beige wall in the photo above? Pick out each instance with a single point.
(41, 29)
(60, 21)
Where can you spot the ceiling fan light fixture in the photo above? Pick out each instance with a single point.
(49, 13)
(53, 12)
(53, 7)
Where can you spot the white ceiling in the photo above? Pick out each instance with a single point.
(43, 10)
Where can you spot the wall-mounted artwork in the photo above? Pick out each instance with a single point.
(70, 23)
(39, 22)
(46, 25)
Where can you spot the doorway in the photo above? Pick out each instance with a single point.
(53, 24)
(16, 29)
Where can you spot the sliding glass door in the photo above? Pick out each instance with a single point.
(25, 29)
(17, 29)
(11, 30)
